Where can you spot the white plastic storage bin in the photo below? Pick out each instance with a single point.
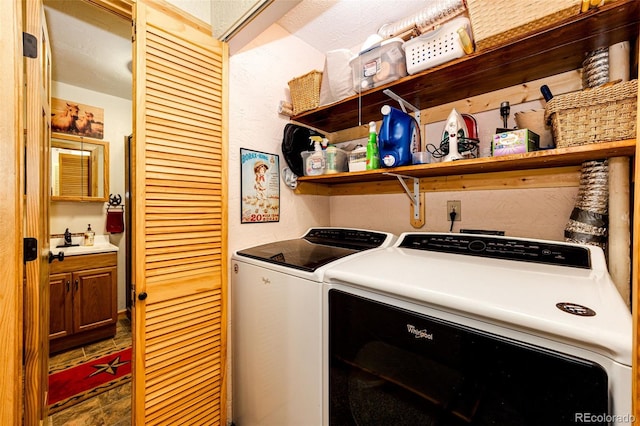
(358, 159)
(436, 47)
(313, 162)
(378, 65)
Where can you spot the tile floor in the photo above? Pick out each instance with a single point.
(111, 408)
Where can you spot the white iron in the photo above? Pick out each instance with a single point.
(454, 130)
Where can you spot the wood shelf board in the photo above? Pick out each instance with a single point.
(553, 158)
(524, 179)
(547, 52)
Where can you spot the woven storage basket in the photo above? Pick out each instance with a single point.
(601, 114)
(497, 21)
(305, 91)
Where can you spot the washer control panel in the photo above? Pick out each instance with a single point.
(345, 237)
(501, 248)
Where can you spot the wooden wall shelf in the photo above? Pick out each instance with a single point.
(546, 159)
(550, 51)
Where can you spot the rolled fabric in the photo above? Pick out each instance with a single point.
(285, 108)
(425, 19)
(619, 61)
(286, 105)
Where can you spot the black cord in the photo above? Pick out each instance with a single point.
(465, 145)
(452, 215)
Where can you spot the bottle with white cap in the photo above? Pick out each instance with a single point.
(314, 162)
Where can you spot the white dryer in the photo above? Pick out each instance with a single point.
(276, 301)
(455, 329)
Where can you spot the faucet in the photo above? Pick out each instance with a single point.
(67, 237)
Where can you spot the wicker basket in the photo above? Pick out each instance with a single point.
(601, 114)
(497, 21)
(305, 92)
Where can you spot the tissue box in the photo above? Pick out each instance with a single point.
(514, 142)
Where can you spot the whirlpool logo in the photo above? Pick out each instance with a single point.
(419, 334)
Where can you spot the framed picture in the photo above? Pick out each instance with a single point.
(76, 119)
(260, 186)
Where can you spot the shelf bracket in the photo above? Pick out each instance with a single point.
(403, 104)
(416, 198)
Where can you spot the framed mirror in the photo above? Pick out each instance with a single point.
(79, 168)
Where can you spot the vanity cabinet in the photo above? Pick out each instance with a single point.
(82, 300)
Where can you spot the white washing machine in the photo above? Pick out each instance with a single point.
(455, 329)
(276, 307)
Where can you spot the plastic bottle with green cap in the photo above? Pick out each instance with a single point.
(373, 156)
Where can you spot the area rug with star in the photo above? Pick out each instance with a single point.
(75, 383)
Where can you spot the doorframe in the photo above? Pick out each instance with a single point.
(12, 209)
(11, 212)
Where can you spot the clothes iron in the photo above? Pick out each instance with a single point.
(399, 137)
(454, 131)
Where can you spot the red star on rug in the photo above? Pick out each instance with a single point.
(110, 367)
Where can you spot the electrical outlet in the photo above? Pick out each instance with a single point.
(454, 205)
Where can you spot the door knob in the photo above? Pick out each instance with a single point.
(59, 256)
(142, 296)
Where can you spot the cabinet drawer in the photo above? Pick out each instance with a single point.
(85, 261)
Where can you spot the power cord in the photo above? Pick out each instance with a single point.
(465, 146)
(452, 215)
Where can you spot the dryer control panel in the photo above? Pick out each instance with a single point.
(501, 248)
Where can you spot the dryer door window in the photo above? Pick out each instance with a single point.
(391, 366)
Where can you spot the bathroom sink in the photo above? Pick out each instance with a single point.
(101, 245)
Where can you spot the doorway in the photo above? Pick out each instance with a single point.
(91, 57)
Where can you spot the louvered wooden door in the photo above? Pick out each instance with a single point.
(179, 217)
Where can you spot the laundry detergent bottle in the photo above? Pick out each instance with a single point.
(399, 137)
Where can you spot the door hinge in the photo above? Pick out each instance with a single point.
(29, 249)
(133, 31)
(29, 45)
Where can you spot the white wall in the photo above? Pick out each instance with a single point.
(77, 215)
(258, 80)
(258, 77)
(531, 213)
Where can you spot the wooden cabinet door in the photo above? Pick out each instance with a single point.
(60, 306)
(94, 298)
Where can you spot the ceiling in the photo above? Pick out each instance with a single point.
(345, 24)
(91, 48)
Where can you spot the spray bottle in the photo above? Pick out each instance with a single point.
(314, 163)
(373, 156)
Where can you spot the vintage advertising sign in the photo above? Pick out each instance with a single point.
(260, 186)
